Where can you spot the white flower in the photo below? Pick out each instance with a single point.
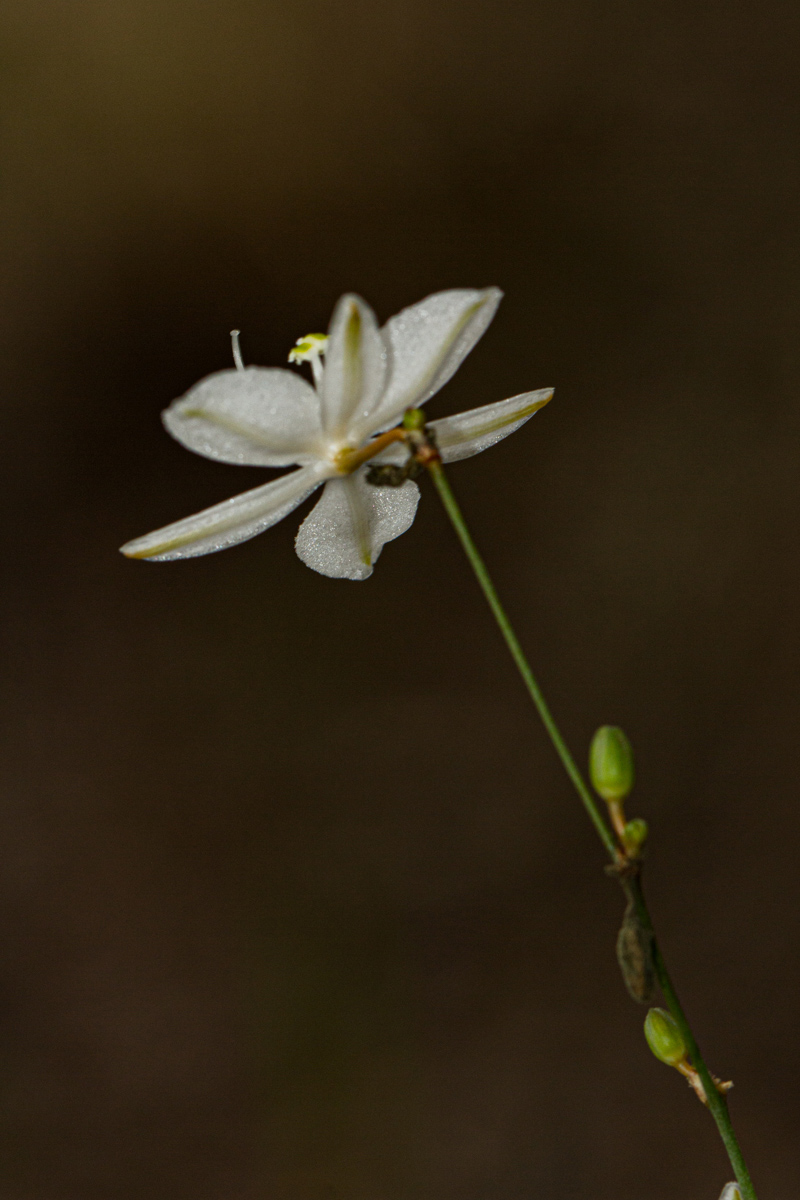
(271, 417)
(730, 1192)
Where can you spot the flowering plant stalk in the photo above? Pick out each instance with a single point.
(361, 435)
(625, 863)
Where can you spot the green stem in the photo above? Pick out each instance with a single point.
(716, 1101)
(517, 653)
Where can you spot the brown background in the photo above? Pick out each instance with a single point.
(296, 903)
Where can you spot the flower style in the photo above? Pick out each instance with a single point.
(272, 417)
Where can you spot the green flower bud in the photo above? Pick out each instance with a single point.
(635, 835)
(414, 418)
(664, 1038)
(611, 763)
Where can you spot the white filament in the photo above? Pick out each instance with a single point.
(237, 353)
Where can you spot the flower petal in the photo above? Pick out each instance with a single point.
(261, 416)
(233, 521)
(427, 344)
(470, 432)
(348, 527)
(355, 366)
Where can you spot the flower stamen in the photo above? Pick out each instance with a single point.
(310, 349)
(349, 460)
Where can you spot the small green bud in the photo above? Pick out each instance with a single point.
(611, 763)
(635, 835)
(414, 418)
(664, 1038)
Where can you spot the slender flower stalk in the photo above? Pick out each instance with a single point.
(628, 871)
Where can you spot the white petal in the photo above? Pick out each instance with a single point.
(346, 530)
(470, 432)
(730, 1192)
(233, 521)
(355, 366)
(427, 344)
(262, 416)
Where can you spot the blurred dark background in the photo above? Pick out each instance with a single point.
(296, 901)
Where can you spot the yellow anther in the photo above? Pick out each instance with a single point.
(309, 348)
